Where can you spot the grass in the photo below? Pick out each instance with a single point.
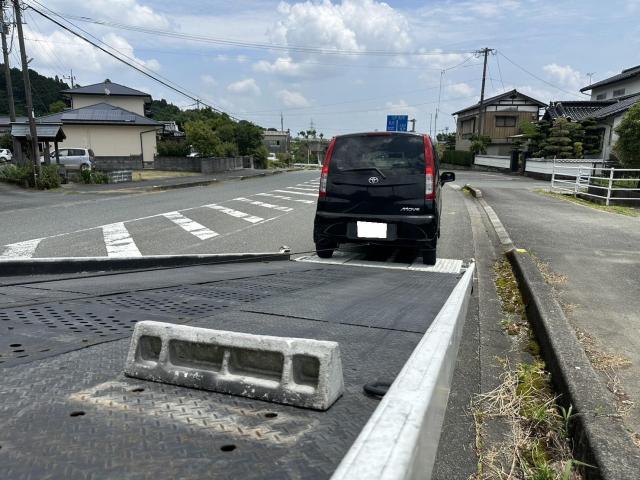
(536, 444)
(628, 211)
(159, 174)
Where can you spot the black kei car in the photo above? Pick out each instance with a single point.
(380, 188)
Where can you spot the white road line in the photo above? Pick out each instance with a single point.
(300, 200)
(297, 193)
(265, 205)
(235, 213)
(118, 241)
(24, 249)
(191, 226)
(304, 189)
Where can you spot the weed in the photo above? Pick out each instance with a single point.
(628, 211)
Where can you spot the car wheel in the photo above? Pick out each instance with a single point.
(429, 256)
(324, 249)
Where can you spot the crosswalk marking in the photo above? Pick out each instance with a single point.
(297, 193)
(191, 226)
(304, 189)
(21, 249)
(306, 186)
(265, 205)
(118, 241)
(300, 200)
(235, 213)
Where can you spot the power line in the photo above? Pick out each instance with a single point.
(537, 77)
(254, 45)
(500, 72)
(138, 69)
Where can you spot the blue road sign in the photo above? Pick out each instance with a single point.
(397, 123)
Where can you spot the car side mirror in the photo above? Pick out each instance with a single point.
(447, 177)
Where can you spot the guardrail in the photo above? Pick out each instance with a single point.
(597, 181)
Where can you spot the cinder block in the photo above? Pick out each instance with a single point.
(295, 371)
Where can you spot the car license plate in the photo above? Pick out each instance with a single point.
(371, 230)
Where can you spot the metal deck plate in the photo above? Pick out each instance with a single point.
(75, 415)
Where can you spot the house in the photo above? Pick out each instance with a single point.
(111, 93)
(610, 100)
(623, 84)
(5, 123)
(502, 115)
(276, 141)
(112, 132)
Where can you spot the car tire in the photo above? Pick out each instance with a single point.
(325, 249)
(429, 256)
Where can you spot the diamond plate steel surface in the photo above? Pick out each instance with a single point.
(75, 415)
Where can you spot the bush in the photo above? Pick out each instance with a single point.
(457, 157)
(6, 141)
(93, 177)
(49, 176)
(627, 148)
(168, 148)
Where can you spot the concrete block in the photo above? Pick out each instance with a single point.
(295, 371)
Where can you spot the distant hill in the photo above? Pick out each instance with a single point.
(44, 91)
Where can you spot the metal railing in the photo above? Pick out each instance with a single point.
(596, 181)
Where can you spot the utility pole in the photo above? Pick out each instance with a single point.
(590, 75)
(71, 78)
(430, 120)
(281, 122)
(35, 153)
(413, 124)
(435, 121)
(4, 29)
(485, 51)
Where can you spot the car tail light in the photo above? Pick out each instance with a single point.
(429, 170)
(324, 174)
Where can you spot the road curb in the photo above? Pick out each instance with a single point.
(599, 433)
(43, 266)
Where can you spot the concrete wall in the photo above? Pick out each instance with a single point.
(111, 140)
(494, 161)
(177, 164)
(109, 164)
(212, 165)
(202, 165)
(133, 104)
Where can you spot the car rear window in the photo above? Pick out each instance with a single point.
(391, 154)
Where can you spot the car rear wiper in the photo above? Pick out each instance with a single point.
(365, 168)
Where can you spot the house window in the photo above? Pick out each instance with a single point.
(467, 127)
(601, 96)
(618, 93)
(502, 121)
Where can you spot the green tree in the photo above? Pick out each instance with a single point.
(5, 141)
(449, 139)
(248, 137)
(627, 147)
(479, 144)
(202, 138)
(593, 134)
(561, 142)
(57, 106)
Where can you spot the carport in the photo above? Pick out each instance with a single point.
(47, 133)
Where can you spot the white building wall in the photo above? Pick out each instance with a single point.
(132, 104)
(111, 141)
(630, 86)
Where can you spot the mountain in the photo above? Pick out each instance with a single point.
(44, 91)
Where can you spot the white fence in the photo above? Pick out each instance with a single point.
(495, 161)
(596, 181)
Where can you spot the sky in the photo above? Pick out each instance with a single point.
(341, 65)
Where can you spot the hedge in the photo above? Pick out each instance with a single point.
(457, 157)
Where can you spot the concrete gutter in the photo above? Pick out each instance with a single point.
(43, 266)
(600, 437)
(400, 439)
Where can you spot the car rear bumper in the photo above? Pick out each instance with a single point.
(406, 230)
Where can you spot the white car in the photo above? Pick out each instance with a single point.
(272, 157)
(5, 155)
(73, 158)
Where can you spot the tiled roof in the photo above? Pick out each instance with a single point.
(489, 101)
(627, 73)
(45, 131)
(107, 88)
(575, 110)
(101, 113)
(622, 105)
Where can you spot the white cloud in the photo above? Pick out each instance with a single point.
(401, 107)
(208, 80)
(49, 51)
(460, 89)
(355, 25)
(293, 99)
(247, 86)
(566, 76)
(130, 12)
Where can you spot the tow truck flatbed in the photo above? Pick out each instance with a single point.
(67, 410)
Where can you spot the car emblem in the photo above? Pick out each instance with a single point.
(374, 180)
